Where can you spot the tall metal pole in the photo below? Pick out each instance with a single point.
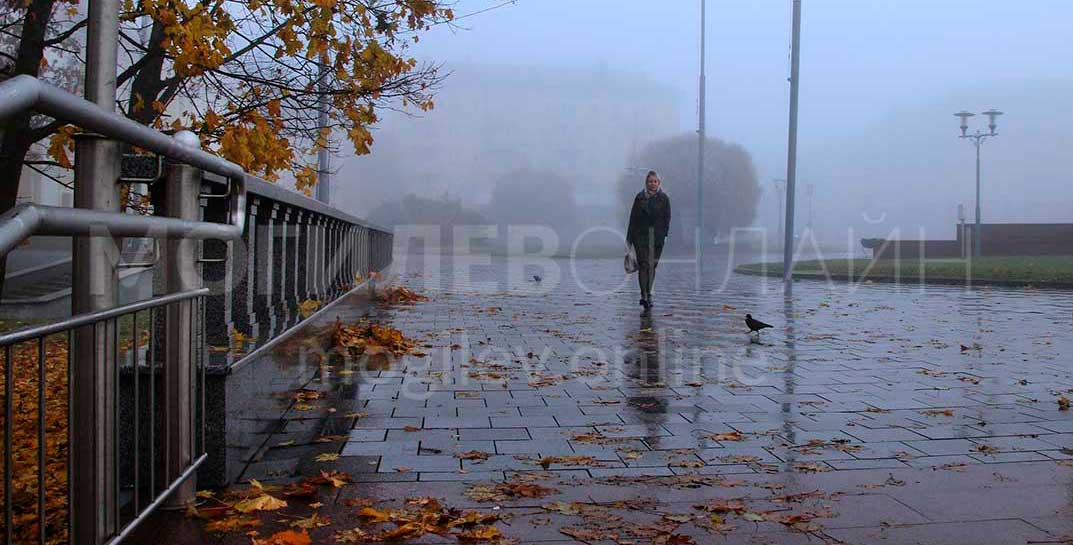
(976, 232)
(791, 148)
(700, 154)
(778, 193)
(95, 286)
(323, 156)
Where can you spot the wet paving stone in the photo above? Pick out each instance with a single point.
(859, 413)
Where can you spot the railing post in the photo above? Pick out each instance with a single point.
(95, 286)
(180, 274)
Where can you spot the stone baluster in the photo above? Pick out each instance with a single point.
(312, 226)
(243, 272)
(319, 258)
(277, 302)
(365, 235)
(290, 257)
(329, 253)
(301, 276)
(219, 261)
(352, 258)
(264, 266)
(344, 268)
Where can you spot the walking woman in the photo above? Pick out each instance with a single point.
(650, 218)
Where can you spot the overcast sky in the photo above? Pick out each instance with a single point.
(880, 81)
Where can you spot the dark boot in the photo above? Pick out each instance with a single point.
(642, 282)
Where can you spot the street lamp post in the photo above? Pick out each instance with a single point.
(700, 154)
(778, 193)
(791, 149)
(977, 139)
(324, 158)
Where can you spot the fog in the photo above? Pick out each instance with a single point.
(493, 120)
(578, 89)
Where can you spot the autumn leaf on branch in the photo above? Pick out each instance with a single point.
(248, 76)
(62, 142)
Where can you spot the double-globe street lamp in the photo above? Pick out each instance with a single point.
(977, 139)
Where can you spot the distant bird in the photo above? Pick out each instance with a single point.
(536, 278)
(755, 325)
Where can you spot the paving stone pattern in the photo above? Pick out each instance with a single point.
(901, 414)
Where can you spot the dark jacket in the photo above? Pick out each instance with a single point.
(650, 216)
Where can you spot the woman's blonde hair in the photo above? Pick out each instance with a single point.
(652, 173)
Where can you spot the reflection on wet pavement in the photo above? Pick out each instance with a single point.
(868, 414)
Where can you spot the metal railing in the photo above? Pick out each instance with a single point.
(259, 259)
(295, 249)
(23, 93)
(36, 378)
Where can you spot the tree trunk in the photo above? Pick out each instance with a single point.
(147, 82)
(16, 137)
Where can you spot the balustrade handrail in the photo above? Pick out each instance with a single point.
(26, 220)
(25, 92)
(258, 187)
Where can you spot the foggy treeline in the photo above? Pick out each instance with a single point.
(566, 149)
(586, 136)
(730, 184)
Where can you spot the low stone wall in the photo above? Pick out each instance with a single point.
(1005, 239)
(917, 249)
(996, 240)
(245, 403)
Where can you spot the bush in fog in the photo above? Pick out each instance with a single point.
(534, 197)
(414, 210)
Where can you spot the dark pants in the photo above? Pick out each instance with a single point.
(647, 258)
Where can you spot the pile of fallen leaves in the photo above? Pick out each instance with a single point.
(601, 523)
(423, 516)
(308, 307)
(237, 509)
(399, 295)
(24, 445)
(370, 339)
(648, 521)
(522, 485)
(246, 510)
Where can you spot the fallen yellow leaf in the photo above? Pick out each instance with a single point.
(263, 502)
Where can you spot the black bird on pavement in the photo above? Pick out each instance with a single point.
(755, 325)
(536, 278)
